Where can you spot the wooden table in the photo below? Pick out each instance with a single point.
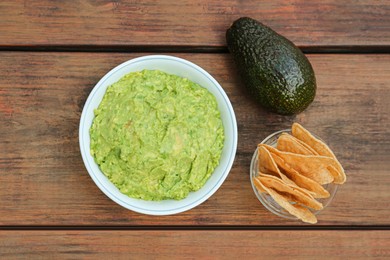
(52, 53)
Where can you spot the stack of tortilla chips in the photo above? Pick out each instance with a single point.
(294, 173)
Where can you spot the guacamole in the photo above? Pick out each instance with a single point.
(157, 136)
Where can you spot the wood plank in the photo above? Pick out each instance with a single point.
(195, 244)
(43, 180)
(190, 23)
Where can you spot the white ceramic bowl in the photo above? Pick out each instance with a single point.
(182, 68)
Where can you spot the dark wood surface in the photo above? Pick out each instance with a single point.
(52, 53)
(190, 23)
(196, 244)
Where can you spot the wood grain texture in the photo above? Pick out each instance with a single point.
(195, 244)
(190, 23)
(43, 180)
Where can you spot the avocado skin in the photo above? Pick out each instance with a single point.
(276, 72)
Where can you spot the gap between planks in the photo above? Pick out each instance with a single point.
(328, 49)
(200, 228)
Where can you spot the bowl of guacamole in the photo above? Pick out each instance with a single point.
(158, 135)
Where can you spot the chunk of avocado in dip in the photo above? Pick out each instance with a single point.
(157, 136)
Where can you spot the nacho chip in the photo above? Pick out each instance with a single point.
(296, 210)
(311, 166)
(321, 148)
(289, 143)
(336, 175)
(292, 193)
(258, 185)
(315, 189)
(267, 165)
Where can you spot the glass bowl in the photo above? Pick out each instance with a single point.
(266, 199)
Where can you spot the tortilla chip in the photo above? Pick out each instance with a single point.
(267, 165)
(315, 189)
(289, 143)
(296, 210)
(336, 175)
(292, 193)
(294, 186)
(311, 166)
(258, 185)
(321, 148)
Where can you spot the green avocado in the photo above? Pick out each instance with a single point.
(276, 72)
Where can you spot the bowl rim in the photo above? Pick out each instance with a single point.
(84, 148)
